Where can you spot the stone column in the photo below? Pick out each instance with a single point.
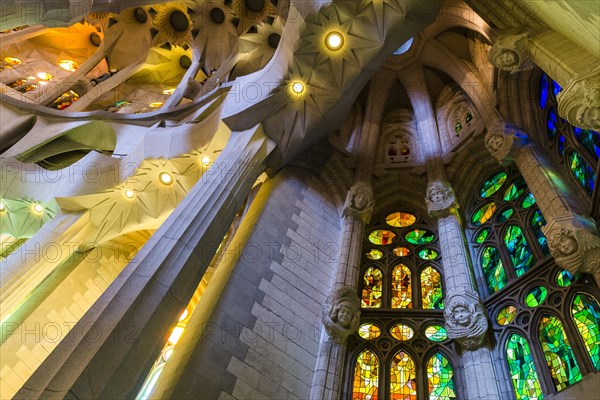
(327, 378)
(465, 317)
(572, 235)
(576, 70)
(109, 352)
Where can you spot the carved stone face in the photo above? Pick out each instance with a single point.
(437, 195)
(462, 315)
(566, 244)
(495, 142)
(345, 316)
(507, 58)
(591, 116)
(360, 200)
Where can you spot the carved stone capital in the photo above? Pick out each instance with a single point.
(359, 201)
(466, 321)
(440, 199)
(579, 101)
(503, 142)
(574, 243)
(510, 53)
(341, 314)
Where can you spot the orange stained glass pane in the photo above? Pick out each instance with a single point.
(401, 251)
(401, 288)
(400, 219)
(403, 377)
(366, 376)
(371, 292)
(381, 236)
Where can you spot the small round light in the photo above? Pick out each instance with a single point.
(2, 207)
(45, 76)
(129, 194)
(334, 41)
(205, 160)
(169, 91)
(165, 178)
(297, 87)
(12, 60)
(38, 208)
(156, 104)
(68, 65)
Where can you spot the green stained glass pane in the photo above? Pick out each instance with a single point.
(402, 332)
(582, 171)
(381, 236)
(369, 331)
(439, 378)
(492, 185)
(515, 190)
(428, 254)
(536, 296)
(371, 291)
(518, 249)
(431, 289)
(558, 354)
(401, 287)
(493, 269)
(589, 139)
(506, 214)
(400, 219)
(484, 213)
(436, 333)
(403, 377)
(366, 376)
(586, 314)
(374, 254)
(528, 201)
(564, 278)
(482, 235)
(522, 369)
(537, 221)
(506, 315)
(419, 236)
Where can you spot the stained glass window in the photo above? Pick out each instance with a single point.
(381, 236)
(431, 289)
(419, 236)
(401, 251)
(564, 278)
(369, 331)
(537, 221)
(371, 292)
(439, 378)
(428, 254)
(401, 287)
(506, 214)
(528, 201)
(366, 376)
(483, 215)
(586, 314)
(400, 219)
(582, 171)
(493, 184)
(493, 269)
(483, 234)
(506, 315)
(589, 139)
(522, 368)
(403, 377)
(558, 353)
(536, 296)
(515, 190)
(518, 249)
(402, 332)
(436, 333)
(374, 254)
(551, 123)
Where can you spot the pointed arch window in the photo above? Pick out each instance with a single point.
(586, 314)
(365, 385)
(403, 377)
(440, 382)
(522, 368)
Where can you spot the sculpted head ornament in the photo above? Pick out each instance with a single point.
(574, 244)
(465, 319)
(510, 52)
(579, 102)
(502, 142)
(440, 199)
(341, 314)
(360, 201)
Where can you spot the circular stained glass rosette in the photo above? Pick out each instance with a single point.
(374, 254)
(436, 333)
(492, 185)
(528, 201)
(419, 236)
(400, 219)
(401, 251)
(369, 331)
(506, 315)
(402, 332)
(381, 236)
(536, 296)
(428, 254)
(483, 214)
(564, 278)
(482, 235)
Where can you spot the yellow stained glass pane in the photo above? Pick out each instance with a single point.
(366, 376)
(401, 288)
(403, 377)
(431, 289)
(506, 315)
(381, 236)
(374, 254)
(401, 332)
(371, 291)
(400, 219)
(369, 331)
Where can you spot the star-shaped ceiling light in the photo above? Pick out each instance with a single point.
(252, 12)
(173, 23)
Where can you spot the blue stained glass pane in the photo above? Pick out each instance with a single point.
(555, 88)
(543, 91)
(537, 221)
(582, 171)
(589, 139)
(561, 145)
(519, 250)
(551, 122)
